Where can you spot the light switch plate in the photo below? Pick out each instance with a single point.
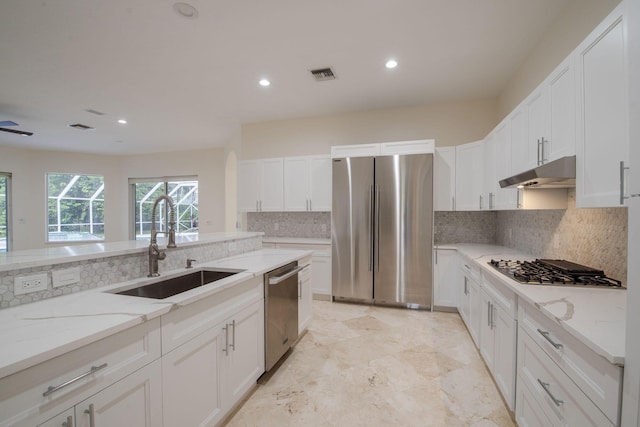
(65, 277)
(27, 284)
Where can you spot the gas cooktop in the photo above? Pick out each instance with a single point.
(554, 272)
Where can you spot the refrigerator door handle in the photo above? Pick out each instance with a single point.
(371, 230)
(377, 236)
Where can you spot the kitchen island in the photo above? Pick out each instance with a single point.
(43, 336)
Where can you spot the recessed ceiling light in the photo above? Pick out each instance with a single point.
(122, 121)
(392, 63)
(264, 82)
(186, 10)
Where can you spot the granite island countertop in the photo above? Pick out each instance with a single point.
(594, 316)
(39, 331)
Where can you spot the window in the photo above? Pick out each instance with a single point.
(5, 201)
(75, 207)
(183, 192)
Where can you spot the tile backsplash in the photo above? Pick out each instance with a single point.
(594, 237)
(313, 225)
(467, 227)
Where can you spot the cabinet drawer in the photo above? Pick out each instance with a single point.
(558, 396)
(179, 326)
(595, 376)
(529, 413)
(21, 394)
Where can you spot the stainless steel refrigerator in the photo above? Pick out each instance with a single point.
(382, 229)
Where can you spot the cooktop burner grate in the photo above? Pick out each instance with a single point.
(553, 272)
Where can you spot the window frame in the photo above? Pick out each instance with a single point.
(9, 224)
(165, 180)
(46, 208)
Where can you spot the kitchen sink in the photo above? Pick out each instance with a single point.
(175, 285)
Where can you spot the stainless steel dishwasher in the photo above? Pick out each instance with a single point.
(280, 311)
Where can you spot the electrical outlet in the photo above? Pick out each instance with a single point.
(27, 284)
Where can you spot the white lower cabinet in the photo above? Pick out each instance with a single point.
(470, 303)
(498, 336)
(528, 412)
(557, 395)
(132, 401)
(445, 278)
(191, 381)
(243, 360)
(205, 377)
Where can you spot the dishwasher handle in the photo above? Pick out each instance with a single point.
(277, 279)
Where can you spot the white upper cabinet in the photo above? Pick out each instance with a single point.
(503, 198)
(602, 145)
(444, 179)
(470, 176)
(561, 127)
(543, 125)
(490, 186)
(260, 185)
(307, 183)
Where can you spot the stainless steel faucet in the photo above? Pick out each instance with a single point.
(155, 253)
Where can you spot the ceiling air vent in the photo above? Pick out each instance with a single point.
(96, 112)
(322, 74)
(80, 126)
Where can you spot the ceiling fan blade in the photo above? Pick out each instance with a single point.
(8, 123)
(19, 132)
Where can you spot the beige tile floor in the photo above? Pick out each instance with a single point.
(374, 366)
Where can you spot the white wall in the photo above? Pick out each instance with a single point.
(29, 168)
(449, 124)
(576, 21)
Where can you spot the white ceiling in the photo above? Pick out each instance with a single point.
(190, 83)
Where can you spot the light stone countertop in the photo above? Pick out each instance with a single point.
(36, 332)
(297, 240)
(61, 254)
(594, 316)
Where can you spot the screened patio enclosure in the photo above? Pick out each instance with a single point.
(185, 197)
(75, 207)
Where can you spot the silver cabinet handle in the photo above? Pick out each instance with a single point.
(233, 335)
(260, 205)
(436, 260)
(371, 222)
(69, 422)
(53, 389)
(622, 180)
(543, 158)
(545, 386)
(545, 334)
(299, 289)
(92, 418)
(377, 241)
(518, 204)
(225, 328)
(310, 204)
(539, 154)
(491, 196)
(453, 203)
(480, 202)
(466, 291)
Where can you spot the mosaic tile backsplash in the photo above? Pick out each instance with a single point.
(464, 227)
(312, 225)
(105, 271)
(593, 237)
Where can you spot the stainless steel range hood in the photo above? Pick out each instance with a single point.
(560, 173)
